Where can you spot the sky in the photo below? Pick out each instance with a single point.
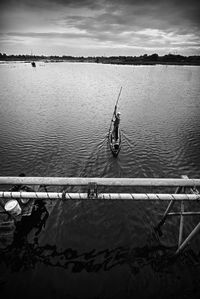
(100, 27)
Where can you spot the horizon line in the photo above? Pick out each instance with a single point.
(65, 55)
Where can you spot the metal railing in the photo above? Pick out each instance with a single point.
(186, 190)
(79, 181)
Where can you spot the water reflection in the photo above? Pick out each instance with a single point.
(34, 222)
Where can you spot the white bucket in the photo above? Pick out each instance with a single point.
(13, 207)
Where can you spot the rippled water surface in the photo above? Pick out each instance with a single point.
(54, 121)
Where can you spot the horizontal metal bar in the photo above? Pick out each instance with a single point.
(103, 196)
(183, 213)
(79, 181)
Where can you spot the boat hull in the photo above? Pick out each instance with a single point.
(115, 145)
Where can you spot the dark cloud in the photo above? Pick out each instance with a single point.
(177, 12)
(154, 22)
(48, 35)
(118, 16)
(191, 6)
(119, 23)
(92, 4)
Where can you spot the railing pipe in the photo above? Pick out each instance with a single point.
(106, 196)
(79, 181)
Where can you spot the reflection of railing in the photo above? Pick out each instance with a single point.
(184, 184)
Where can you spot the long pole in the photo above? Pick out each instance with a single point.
(115, 107)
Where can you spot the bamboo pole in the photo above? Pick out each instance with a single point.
(115, 108)
(184, 213)
(188, 239)
(117, 182)
(169, 207)
(101, 196)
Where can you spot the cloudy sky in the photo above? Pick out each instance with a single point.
(100, 27)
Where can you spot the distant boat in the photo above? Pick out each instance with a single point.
(33, 64)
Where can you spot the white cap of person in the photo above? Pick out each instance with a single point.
(118, 113)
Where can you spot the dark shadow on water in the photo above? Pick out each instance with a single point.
(35, 222)
(23, 254)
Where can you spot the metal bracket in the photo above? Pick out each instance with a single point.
(92, 191)
(194, 190)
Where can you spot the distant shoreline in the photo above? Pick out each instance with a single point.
(112, 63)
(154, 59)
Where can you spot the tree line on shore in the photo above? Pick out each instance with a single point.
(131, 60)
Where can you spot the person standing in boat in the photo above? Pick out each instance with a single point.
(116, 125)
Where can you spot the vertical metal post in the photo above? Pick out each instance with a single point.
(181, 217)
(92, 191)
(181, 245)
(181, 225)
(162, 221)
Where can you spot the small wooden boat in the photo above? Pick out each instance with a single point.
(115, 145)
(115, 141)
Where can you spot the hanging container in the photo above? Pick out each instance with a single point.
(13, 207)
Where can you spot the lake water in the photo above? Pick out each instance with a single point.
(54, 121)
